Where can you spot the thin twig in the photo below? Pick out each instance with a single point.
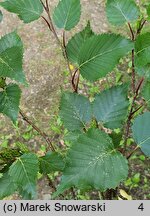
(43, 4)
(135, 111)
(141, 27)
(73, 80)
(131, 30)
(133, 59)
(49, 26)
(52, 29)
(65, 53)
(132, 152)
(43, 134)
(133, 71)
(131, 113)
(134, 89)
(47, 5)
(77, 82)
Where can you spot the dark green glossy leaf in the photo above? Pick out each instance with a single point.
(24, 171)
(51, 162)
(67, 14)
(111, 106)
(146, 92)
(120, 12)
(75, 111)
(101, 53)
(72, 136)
(142, 49)
(93, 163)
(75, 43)
(9, 101)
(7, 187)
(27, 10)
(141, 132)
(11, 57)
(116, 138)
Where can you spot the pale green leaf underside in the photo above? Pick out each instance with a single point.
(11, 57)
(142, 49)
(75, 111)
(27, 10)
(9, 101)
(120, 12)
(101, 53)
(111, 106)
(93, 163)
(141, 132)
(75, 43)
(7, 187)
(24, 172)
(51, 162)
(67, 14)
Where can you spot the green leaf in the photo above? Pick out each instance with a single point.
(93, 163)
(101, 53)
(7, 187)
(75, 111)
(75, 43)
(111, 106)
(1, 16)
(24, 172)
(148, 12)
(120, 12)
(11, 57)
(9, 101)
(116, 138)
(67, 14)
(142, 49)
(141, 132)
(27, 10)
(72, 136)
(146, 92)
(27, 196)
(51, 162)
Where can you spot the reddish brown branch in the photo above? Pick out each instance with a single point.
(65, 53)
(132, 33)
(44, 135)
(75, 86)
(77, 83)
(133, 71)
(49, 26)
(43, 4)
(136, 110)
(52, 29)
(47, 5)
(133, 59)
(131, 113)
(141, 27)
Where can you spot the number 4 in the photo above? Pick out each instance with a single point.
(141, 207)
